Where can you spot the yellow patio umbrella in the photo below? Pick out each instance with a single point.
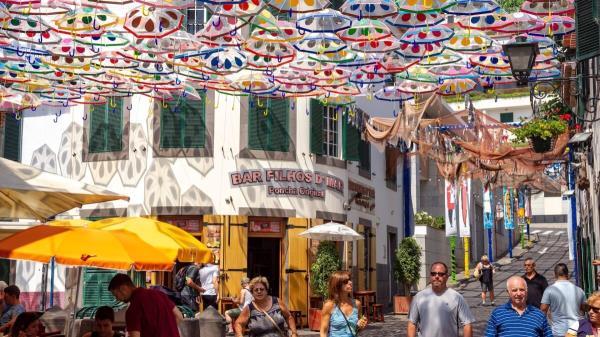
(173, 241)
(69, 223)
(79, 246)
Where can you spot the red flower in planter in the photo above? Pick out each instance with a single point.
(565, 117)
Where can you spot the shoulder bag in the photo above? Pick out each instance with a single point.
(352, 331)
(281, 333)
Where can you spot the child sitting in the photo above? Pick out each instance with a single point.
(105, 317)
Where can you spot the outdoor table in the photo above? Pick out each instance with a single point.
(226, 304)
(366, 297)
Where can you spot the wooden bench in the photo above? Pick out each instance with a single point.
(377, 312)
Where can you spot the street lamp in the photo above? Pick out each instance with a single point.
(521, 56)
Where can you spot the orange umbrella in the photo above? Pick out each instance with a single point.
(171, 240)
(78, 246)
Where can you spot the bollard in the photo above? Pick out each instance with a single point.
(212, 324)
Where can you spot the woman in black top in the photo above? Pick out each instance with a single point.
(485, 271)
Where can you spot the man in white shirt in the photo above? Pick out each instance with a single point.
(564, 300)
(209, 279)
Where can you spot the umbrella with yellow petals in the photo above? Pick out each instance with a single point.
(173, 241)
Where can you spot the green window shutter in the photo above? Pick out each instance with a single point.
(351, 138)
(12, 137)
(169, 129)
(97, 128)
(182, 124)
(364, 155)
(588, 32)
(95, 287)
(316, 126)
(106, 127)
(268, 124)
(279, 111)
(506, 117)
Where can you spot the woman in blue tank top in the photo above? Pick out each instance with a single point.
(339, 317)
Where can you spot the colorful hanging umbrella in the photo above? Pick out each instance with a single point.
(555, 25)
(277, 50)
(35, 67)
(418, 51)
(365, 30)
(283, 31)
(472, 7)
(344, 56)
(61, 95)
(424, 6)
(333, 77)
(543, 42)
(490, 61)
(360, 77)
(254, 82)
(84, 19)
(20, 23)
(544, 74)
(491, 21)
(47, 37)
(384, 45)
(469, 41)
(239, 10)
(426, 35)
(324, 21)
(418, 74)
(171, 4)
(298, 6)
(72, 48)
(392, 94)
(395, 63)
(447, 57)
(108, 39)
(320, 43)
(155, 68)
(456, 86)
(416, 88)
(300, 90)
(218, 26)
(544, 8)
(343, 90)
(373, 9)
(52, 8)
(521, 23)
(112, 59)
(453, 71)
(305, 66)
(143, 22)
(21, 2)
(404, 19)
(227, 61)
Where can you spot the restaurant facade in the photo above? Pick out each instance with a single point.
(245, 175)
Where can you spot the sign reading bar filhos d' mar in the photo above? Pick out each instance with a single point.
(289, 182)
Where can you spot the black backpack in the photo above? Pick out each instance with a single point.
(180, 278)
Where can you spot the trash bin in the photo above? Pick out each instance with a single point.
(212, 324)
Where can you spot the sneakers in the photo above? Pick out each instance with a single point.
(483, 303)
(493, 303)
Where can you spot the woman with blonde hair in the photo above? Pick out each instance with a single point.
(339, 317)
(484, 271)
(588, 326)
(265, 316)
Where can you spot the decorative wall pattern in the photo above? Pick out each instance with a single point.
(45, 159)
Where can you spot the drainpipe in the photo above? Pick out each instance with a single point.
(573, 217)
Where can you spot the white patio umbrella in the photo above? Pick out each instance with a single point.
(332, 231)
(30, 193)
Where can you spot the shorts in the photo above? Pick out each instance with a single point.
(234, 313)
(485, 287)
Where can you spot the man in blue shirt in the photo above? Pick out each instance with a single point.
(12, 307)
(516, 318)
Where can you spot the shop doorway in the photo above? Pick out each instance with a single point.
(263, 260)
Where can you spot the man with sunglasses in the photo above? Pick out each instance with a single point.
(564, 300)
(536, 283)
(438, 311)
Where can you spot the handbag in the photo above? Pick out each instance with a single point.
(281, 333)
(352, 332)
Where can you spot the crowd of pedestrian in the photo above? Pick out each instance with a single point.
(534, 309)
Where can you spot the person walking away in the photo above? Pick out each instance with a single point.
(103, 323)
(266, 316)
(517, 318)
(486, 271)
(244, 299)
(209, 279)
(536, 283)
(150, 312)
(588, 326)
(564, 300)
(438, 311)
(12, 308)
(192, 286)
(27, 324)
(339, 317)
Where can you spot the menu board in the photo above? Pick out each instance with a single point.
(265, 227)
(213, 240)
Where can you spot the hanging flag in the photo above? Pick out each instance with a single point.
(464, 222)
(508, 205)
(488, 215)
(450, 206)
(521, 205)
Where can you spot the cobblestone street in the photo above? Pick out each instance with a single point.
(551, 248)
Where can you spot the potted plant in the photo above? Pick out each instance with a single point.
(542, 131)
(407, 270)
(327, 261)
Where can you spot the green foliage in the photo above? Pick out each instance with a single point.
(407, 263)
(554, 106)
(511, 6)
(423, 218)
(546, 128)
(327, 262)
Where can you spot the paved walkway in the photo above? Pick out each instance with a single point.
(551, 248)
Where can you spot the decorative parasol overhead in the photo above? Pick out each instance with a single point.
(473, 7)
(392, 94)
(143, 22)
(374, 9)
(456, 86)
(324, 21)
(404, 19)
(320, 43)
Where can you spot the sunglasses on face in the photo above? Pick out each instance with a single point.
(440, 274)
(258, 290)
(593, 309)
